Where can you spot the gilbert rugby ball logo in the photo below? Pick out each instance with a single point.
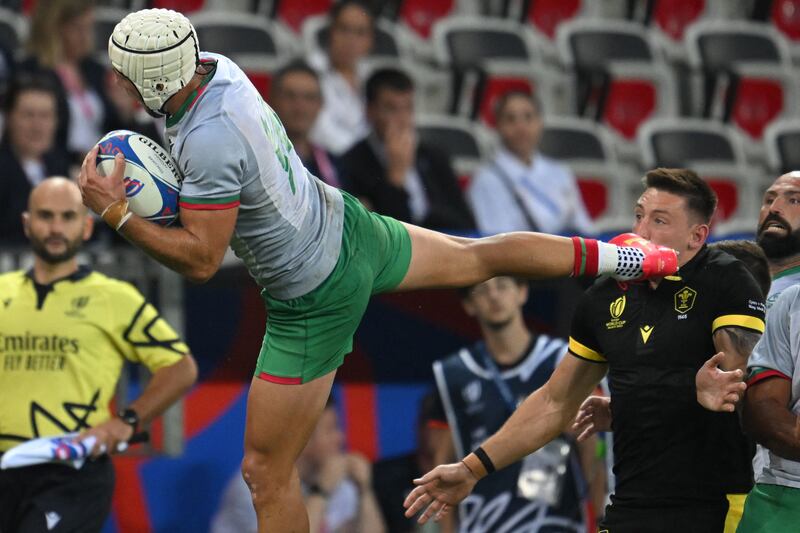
(132, 187)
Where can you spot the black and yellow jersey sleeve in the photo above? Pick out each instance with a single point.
(140, 332)
(583, 341)
(739, 302)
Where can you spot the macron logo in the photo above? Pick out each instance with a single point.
(53, 518)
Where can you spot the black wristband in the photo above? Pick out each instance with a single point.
(484, 458)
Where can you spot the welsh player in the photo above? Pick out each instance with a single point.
(315, 251)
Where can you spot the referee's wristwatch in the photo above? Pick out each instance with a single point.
(130, 417)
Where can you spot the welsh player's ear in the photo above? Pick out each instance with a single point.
(698, 235)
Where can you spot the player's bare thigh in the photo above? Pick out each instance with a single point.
(280, 418)
(439, 260)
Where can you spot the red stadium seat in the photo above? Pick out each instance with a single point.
(628, 104)
(262, 81)
(546, 15)
(757, 103)
(727, 197)
(184, 6)
(595, 193)
(673, 16)
(293, 12)
(785, 15)
(421, 15)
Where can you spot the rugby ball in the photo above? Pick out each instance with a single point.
(152, 179)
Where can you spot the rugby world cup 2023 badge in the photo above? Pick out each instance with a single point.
(616, 309)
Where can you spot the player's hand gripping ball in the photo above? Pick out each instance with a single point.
(152, 179)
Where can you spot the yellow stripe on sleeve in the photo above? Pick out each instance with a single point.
(743, 321)
(585, 352)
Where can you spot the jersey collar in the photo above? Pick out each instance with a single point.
(194, 95)
(82, 272)
(787, 272)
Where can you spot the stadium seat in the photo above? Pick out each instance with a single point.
(738, 198)
(586, 147)
(546, 15)
(242, 35)
(620, 77)
(293, 13)
(13, 30)
(785, 16)
(490, 57)
(782, 139)
(684, 142)
(466, 142)
(672, 17)
(420, 15)
(744, 68)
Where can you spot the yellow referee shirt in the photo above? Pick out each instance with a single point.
(62, 347)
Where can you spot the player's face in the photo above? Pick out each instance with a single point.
(664, 218)
(327, 439)
(496, 302)
(32, 123)
(779, 219)
(297, 101)
(56, 223)
(392, 111)
(520, 126)
(77, 35)
(350, 37)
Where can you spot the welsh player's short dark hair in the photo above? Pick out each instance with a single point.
(754, 259)
(387, 78)
(700, 197)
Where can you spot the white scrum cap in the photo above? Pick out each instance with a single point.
(157, 50)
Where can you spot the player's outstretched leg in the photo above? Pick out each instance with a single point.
(280, 419)
(439, 260)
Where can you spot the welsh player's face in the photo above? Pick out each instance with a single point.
(779, 220)
(496, 302)
(56, 225)
(664, 218)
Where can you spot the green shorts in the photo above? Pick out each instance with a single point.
(308, 337)
(771, 508)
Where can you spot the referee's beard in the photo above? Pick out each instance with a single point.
(70, 249)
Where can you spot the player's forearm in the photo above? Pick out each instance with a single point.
(166, 386)
(536, 422)
(176, 248)
(773, 426)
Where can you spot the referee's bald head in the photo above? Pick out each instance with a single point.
(57, 187)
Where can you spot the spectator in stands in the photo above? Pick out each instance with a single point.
(520, 189)
(27, 153)
(296, 96)
(337, 488)
(394, 174)
(61, 45)
(392, 477)
(342, 121)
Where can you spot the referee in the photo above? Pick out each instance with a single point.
(674, 460)
(65, 333)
